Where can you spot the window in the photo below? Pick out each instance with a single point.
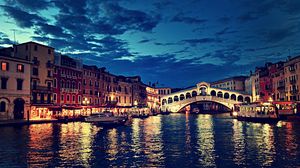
(49, 51)
(26, 47)
(91, 92)
(19, 84)
(79, 86)
(34, 84)
(35, 71)
(68, 97)
(4, 66)
(54, 83)
(49, 74)
(49, 85)
(4, 83)
(2, 106)
(62, 98)
(35, 48)
(73, 98)
(79, 99)
(54, 96)
(20, 68)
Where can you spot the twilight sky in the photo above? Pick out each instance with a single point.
(177, 43)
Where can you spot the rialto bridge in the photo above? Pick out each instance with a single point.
(203, 92)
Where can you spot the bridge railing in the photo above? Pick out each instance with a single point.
(204, 98)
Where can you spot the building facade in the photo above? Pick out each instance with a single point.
(292, 82)
(236, 83)
(67, 81)
(14, 88)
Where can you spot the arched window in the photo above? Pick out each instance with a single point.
(226, 96)
(213, 93)
(2, 106)
(170, 100)
(164, 102)
(233, 97)
(247, 99)
(181, 97)
(194, 94)
(176, 98)
(188, 95)
(240, 98)
(220, 94)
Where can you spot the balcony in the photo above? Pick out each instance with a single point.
(292, 82)
(36, 62)
(281, 87)
(294, 91)
(68, 90)
(49, 65)
(42, 88)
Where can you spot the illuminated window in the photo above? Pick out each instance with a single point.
(4, 66)
(20, 68)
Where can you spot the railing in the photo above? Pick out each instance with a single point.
(294, 91)
(204, 98)
(36, 62)
(42, 88)
(293, 82)
(68, 90)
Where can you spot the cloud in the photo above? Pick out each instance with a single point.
(56, 31)
(274, 35)
(224, 31)
(188, 20)
(4, 40)
(30, 4)
(145, 40)
(22, 18)
(195, 42)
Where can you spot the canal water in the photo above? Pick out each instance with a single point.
(176, 140)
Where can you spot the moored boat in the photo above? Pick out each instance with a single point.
(257, 112)
(106, 119)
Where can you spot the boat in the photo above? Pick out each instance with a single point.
(106, 119)
(257, 112)
(286, 109)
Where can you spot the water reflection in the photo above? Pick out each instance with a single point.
(40, 147)
(238, 143)
(159, 141)
(206, 141)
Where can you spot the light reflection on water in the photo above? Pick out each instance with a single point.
(175, 140)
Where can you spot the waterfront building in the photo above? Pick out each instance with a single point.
(139, 93)
(41, 58)
(236, 83)
(278, 81)
(263, 85)
(67, 84)
(14, 87)
(124, 92)
(152, 98)
(90, 89)
(162, 92)
(291, 74)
